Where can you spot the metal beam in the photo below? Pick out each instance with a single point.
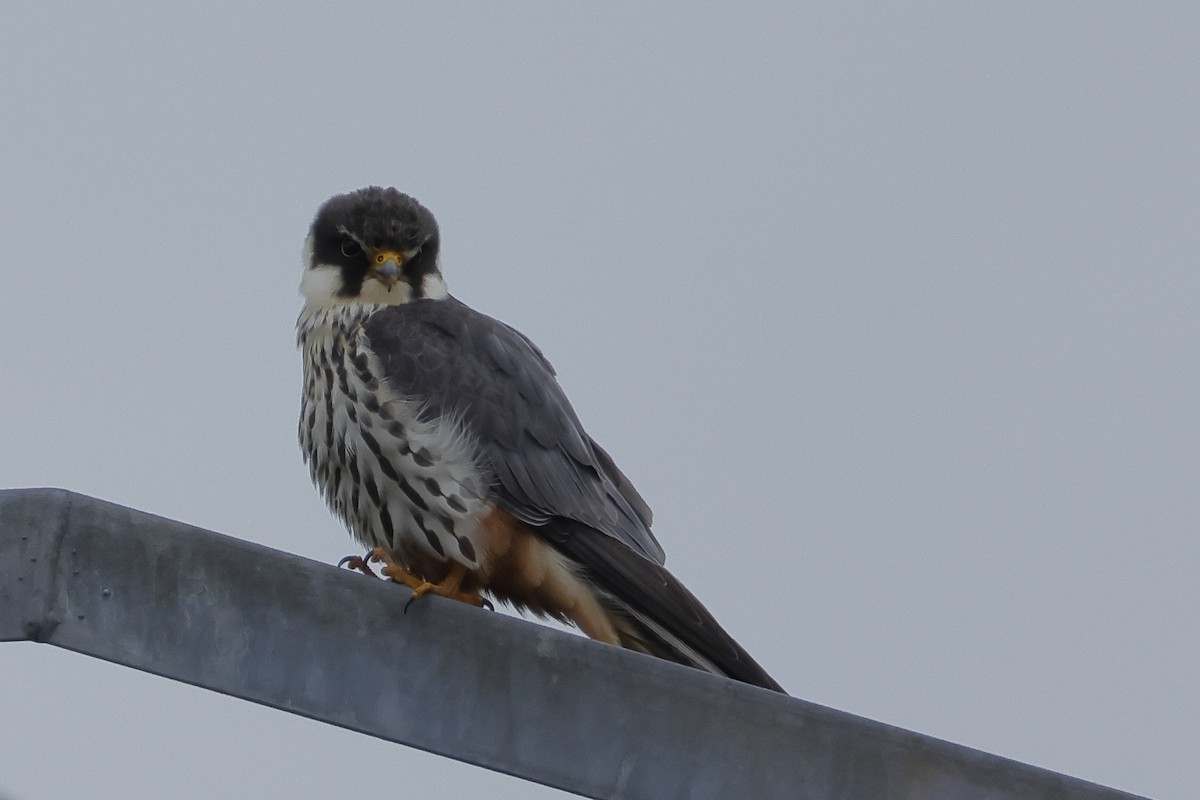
(483, 688)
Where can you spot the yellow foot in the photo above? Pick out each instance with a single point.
(393, 569)
(448, 587)
(358, 563)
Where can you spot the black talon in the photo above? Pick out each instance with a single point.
(357, 564)
(366, 559)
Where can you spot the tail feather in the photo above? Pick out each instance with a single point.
(654, 613)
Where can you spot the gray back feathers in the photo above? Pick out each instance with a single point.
(467, 366)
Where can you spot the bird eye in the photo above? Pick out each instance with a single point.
(350, 248)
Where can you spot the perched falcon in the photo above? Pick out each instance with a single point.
(442, 439)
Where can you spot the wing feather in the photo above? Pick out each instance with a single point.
(549, 473)
(500, 387)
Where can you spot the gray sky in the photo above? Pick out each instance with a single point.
(891, 315)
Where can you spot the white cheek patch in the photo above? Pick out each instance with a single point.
(433, 287)
(320, 285)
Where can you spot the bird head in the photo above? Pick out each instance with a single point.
(372, 246)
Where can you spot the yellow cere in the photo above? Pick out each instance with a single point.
(383, 255)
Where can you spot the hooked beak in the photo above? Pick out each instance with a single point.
(385, 267)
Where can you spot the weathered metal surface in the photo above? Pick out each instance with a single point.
(483, 688)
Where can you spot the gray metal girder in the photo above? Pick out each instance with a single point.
(480, 687)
